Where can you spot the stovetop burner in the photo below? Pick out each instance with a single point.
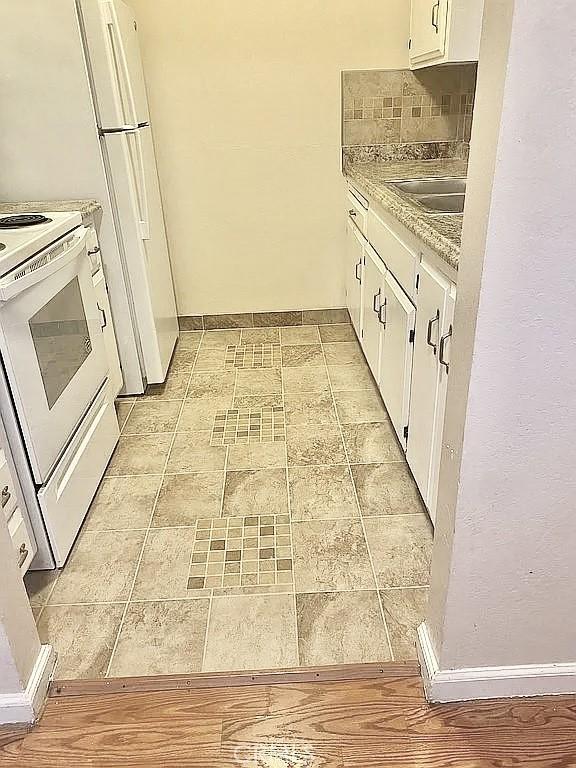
(22, 220)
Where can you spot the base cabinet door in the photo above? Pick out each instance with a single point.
(355, 244)
(398, 316)
(373, 297)
(429, 381)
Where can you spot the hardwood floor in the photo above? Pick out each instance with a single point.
(384, 723)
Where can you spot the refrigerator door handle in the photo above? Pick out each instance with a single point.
(118, 55)
(142, 189)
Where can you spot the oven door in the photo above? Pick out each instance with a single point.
(52, 346)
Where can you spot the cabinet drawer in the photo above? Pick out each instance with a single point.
(400, 259)
(7, 493)
(24, 546)
(357, 212)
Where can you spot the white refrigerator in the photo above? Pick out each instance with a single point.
(76, 125)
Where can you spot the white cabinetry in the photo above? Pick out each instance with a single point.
(429, 379)
(18, 525)
(355, 244)
(398, 317)
(373, 303)
(115, 374)
(444, 31)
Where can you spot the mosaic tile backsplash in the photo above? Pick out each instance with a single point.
(401, 106)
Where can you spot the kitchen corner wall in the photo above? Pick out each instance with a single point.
(245, 105)
(401, 107)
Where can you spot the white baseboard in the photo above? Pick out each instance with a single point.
(25, 707)
(444, 685)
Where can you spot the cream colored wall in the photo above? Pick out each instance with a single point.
(245, 103)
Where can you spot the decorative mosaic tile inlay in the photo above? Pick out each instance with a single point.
(252, 356)
(249, 425)
(250, 551)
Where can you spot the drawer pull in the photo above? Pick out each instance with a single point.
(442, 347)
(429, 341)
(382, 307)
(5, 496)
(93, 251)
(22, 555)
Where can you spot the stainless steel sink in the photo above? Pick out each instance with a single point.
(441, 203)
(431, 186)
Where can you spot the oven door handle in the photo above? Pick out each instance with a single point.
(27, 275)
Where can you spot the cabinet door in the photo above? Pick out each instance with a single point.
(443, 373)
(428, 29)
(433, 292)
(354, 270)
(398, 315)
(115, 372)
(374, 287)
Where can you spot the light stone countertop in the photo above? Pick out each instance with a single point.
(86, 207)
(440, 233)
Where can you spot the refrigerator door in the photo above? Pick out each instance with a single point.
(111, 34)
(138, 210)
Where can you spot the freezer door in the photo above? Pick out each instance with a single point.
(111, 35)
(140, 223)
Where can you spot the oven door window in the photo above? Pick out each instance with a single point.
(61, 339)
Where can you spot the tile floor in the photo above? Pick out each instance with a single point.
(257, 513)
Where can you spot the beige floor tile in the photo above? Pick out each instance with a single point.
(161, 638)
(258, 381)
(221, 338)
(182, 360)
(258, 401)
(211, 385)
(310, 445)
(331, 555)
(277, 319)
(260, 336)
(303, 334)
(321, 493)
(351, 378)
(123, 503)
(184, 499)
(192, 452)
(174, 388)
(313, 379)
(255, 492)
(83, 637)
(309, 408)
(140, 455)
(360, 407)
(198, 415)
(39, 585)
(343, 353)
(165, 564)
(386, 489)
(146, 417)
(100, 569)
(337, 332)
(401, 549)
(371, 442)
(210, 359)
(256, 456)
(123, 408)
(341, 628)
(302, 355)
(251, 632)
(323, 316)
(404, 611)
(189, 340)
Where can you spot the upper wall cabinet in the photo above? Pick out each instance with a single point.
(444, 31)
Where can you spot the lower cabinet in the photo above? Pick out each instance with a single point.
(355, 245)
(436, 297)
(115, 372)
(373, 302)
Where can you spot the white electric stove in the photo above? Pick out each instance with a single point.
(55, 368)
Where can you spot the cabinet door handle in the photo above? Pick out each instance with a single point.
(94, 251)
(442, 347)
(383, 307)
(104, 322)
(22, 555)
(356, 271)
(435, 16)
(376, 296)
(352, 213)
(431, 322)
(5, 496)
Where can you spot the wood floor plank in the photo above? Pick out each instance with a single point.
(382, 723)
